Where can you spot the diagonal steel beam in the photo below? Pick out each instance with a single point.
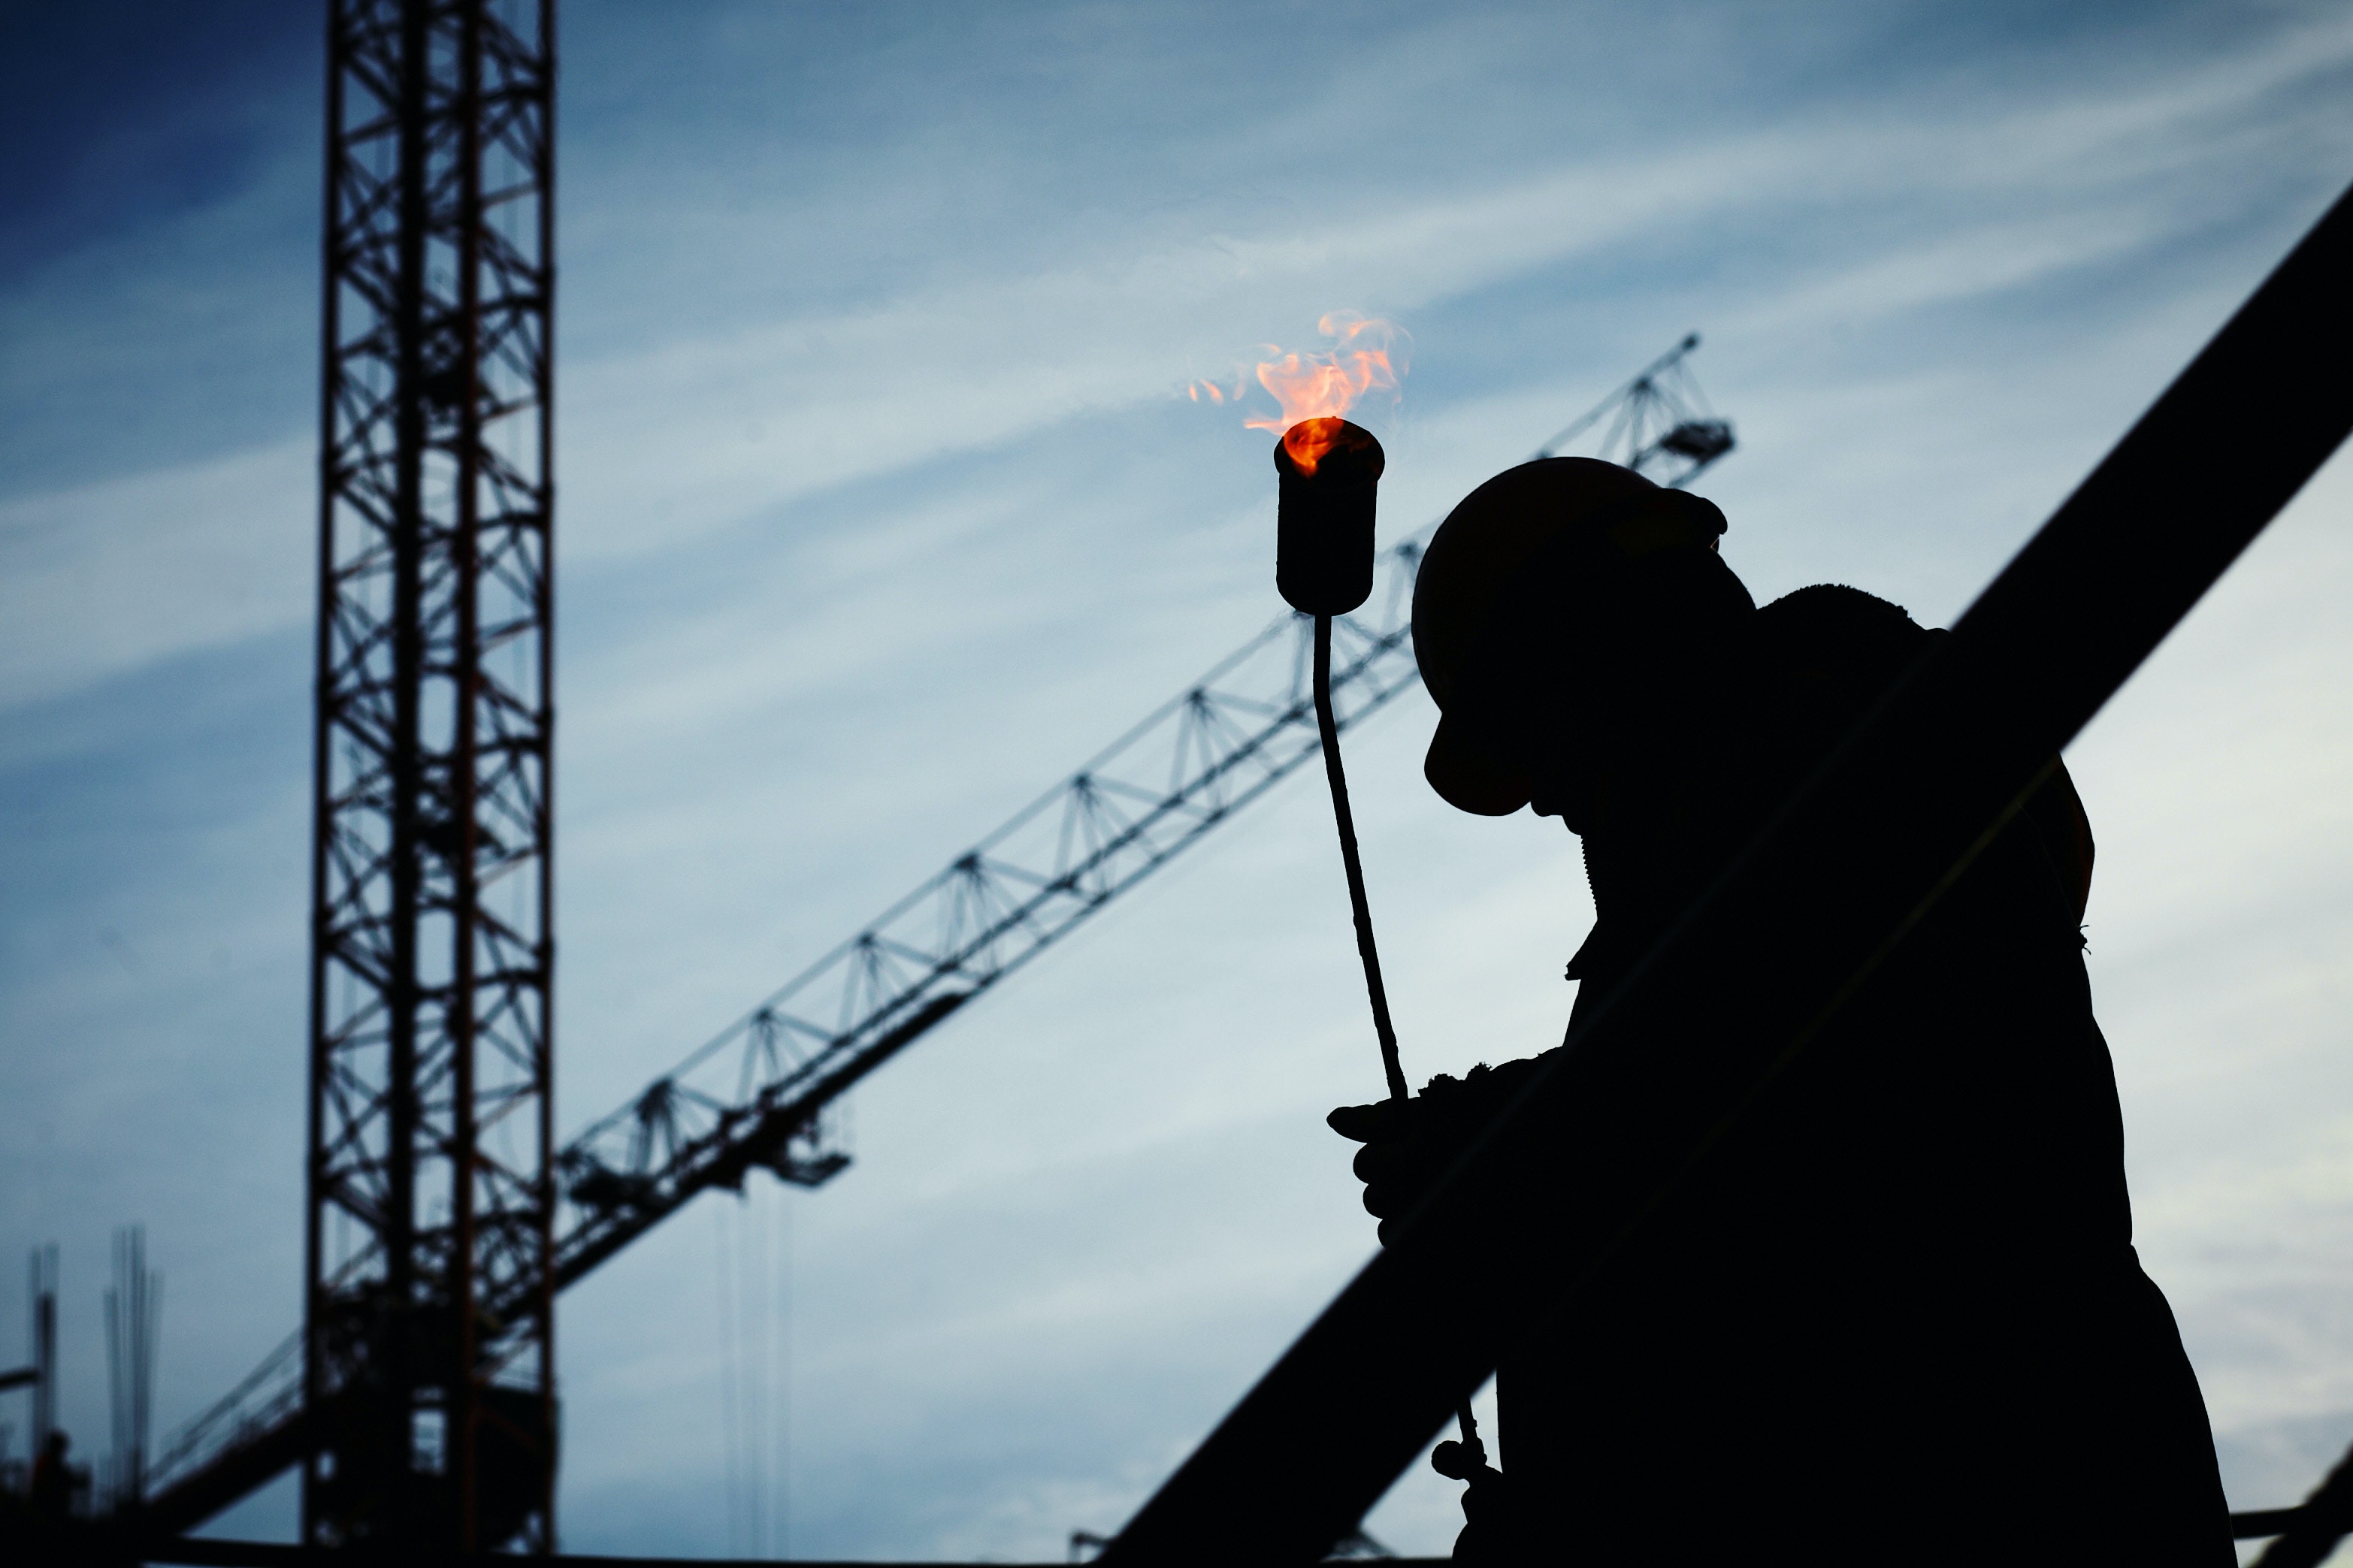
(2308, 1533)
(1617, 1118)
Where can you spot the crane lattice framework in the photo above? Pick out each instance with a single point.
(1657, 424)
(426, 1366)
(757, 1095)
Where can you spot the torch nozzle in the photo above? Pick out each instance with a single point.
(1330, 473)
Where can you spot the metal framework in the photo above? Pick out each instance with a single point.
(757, 1095)
(1659, 423)
(754, 1094)
(427, 1372)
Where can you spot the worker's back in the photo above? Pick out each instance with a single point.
(1897, 1315)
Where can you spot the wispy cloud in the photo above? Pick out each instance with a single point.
(668, 443)
(112, 577)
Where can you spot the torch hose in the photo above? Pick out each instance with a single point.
(1328, 727)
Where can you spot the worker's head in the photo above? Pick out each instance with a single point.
(1566, 610)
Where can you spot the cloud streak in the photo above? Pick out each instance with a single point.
(668, 443)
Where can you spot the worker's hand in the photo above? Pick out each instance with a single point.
(1496, 1529)
(1409, 1144)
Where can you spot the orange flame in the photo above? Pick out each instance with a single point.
(1310, 441)
(1210, 392)
(1368, 355)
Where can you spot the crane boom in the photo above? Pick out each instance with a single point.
(756, 1094)
(1221, 743)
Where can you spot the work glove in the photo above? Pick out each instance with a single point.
(1409, 1144)
(1494, 1522)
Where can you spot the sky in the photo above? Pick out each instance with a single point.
(881, 507)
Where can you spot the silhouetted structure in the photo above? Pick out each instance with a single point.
(52, 1490)
(420, 1395)
(134, 1312)
(428, 1377)
(41, 1298)
(1659, 424)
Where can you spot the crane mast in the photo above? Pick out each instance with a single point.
(427, 1392)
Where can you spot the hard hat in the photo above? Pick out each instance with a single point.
(1555, 516)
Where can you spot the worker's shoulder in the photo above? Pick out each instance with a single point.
(1819, 659)
(1832, 632)
(1815, 661)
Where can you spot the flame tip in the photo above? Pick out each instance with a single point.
(1368, 355)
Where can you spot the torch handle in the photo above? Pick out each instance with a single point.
(1328, 727)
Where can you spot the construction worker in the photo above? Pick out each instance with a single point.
(1897, 1315)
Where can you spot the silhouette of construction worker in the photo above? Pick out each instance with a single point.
(1897, 1315)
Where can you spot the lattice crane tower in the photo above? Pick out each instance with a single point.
(429, 1189)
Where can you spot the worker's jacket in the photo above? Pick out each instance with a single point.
(1898, 1318)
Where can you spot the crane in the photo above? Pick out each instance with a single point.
(755, 1095)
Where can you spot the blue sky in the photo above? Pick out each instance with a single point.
(880, 508)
